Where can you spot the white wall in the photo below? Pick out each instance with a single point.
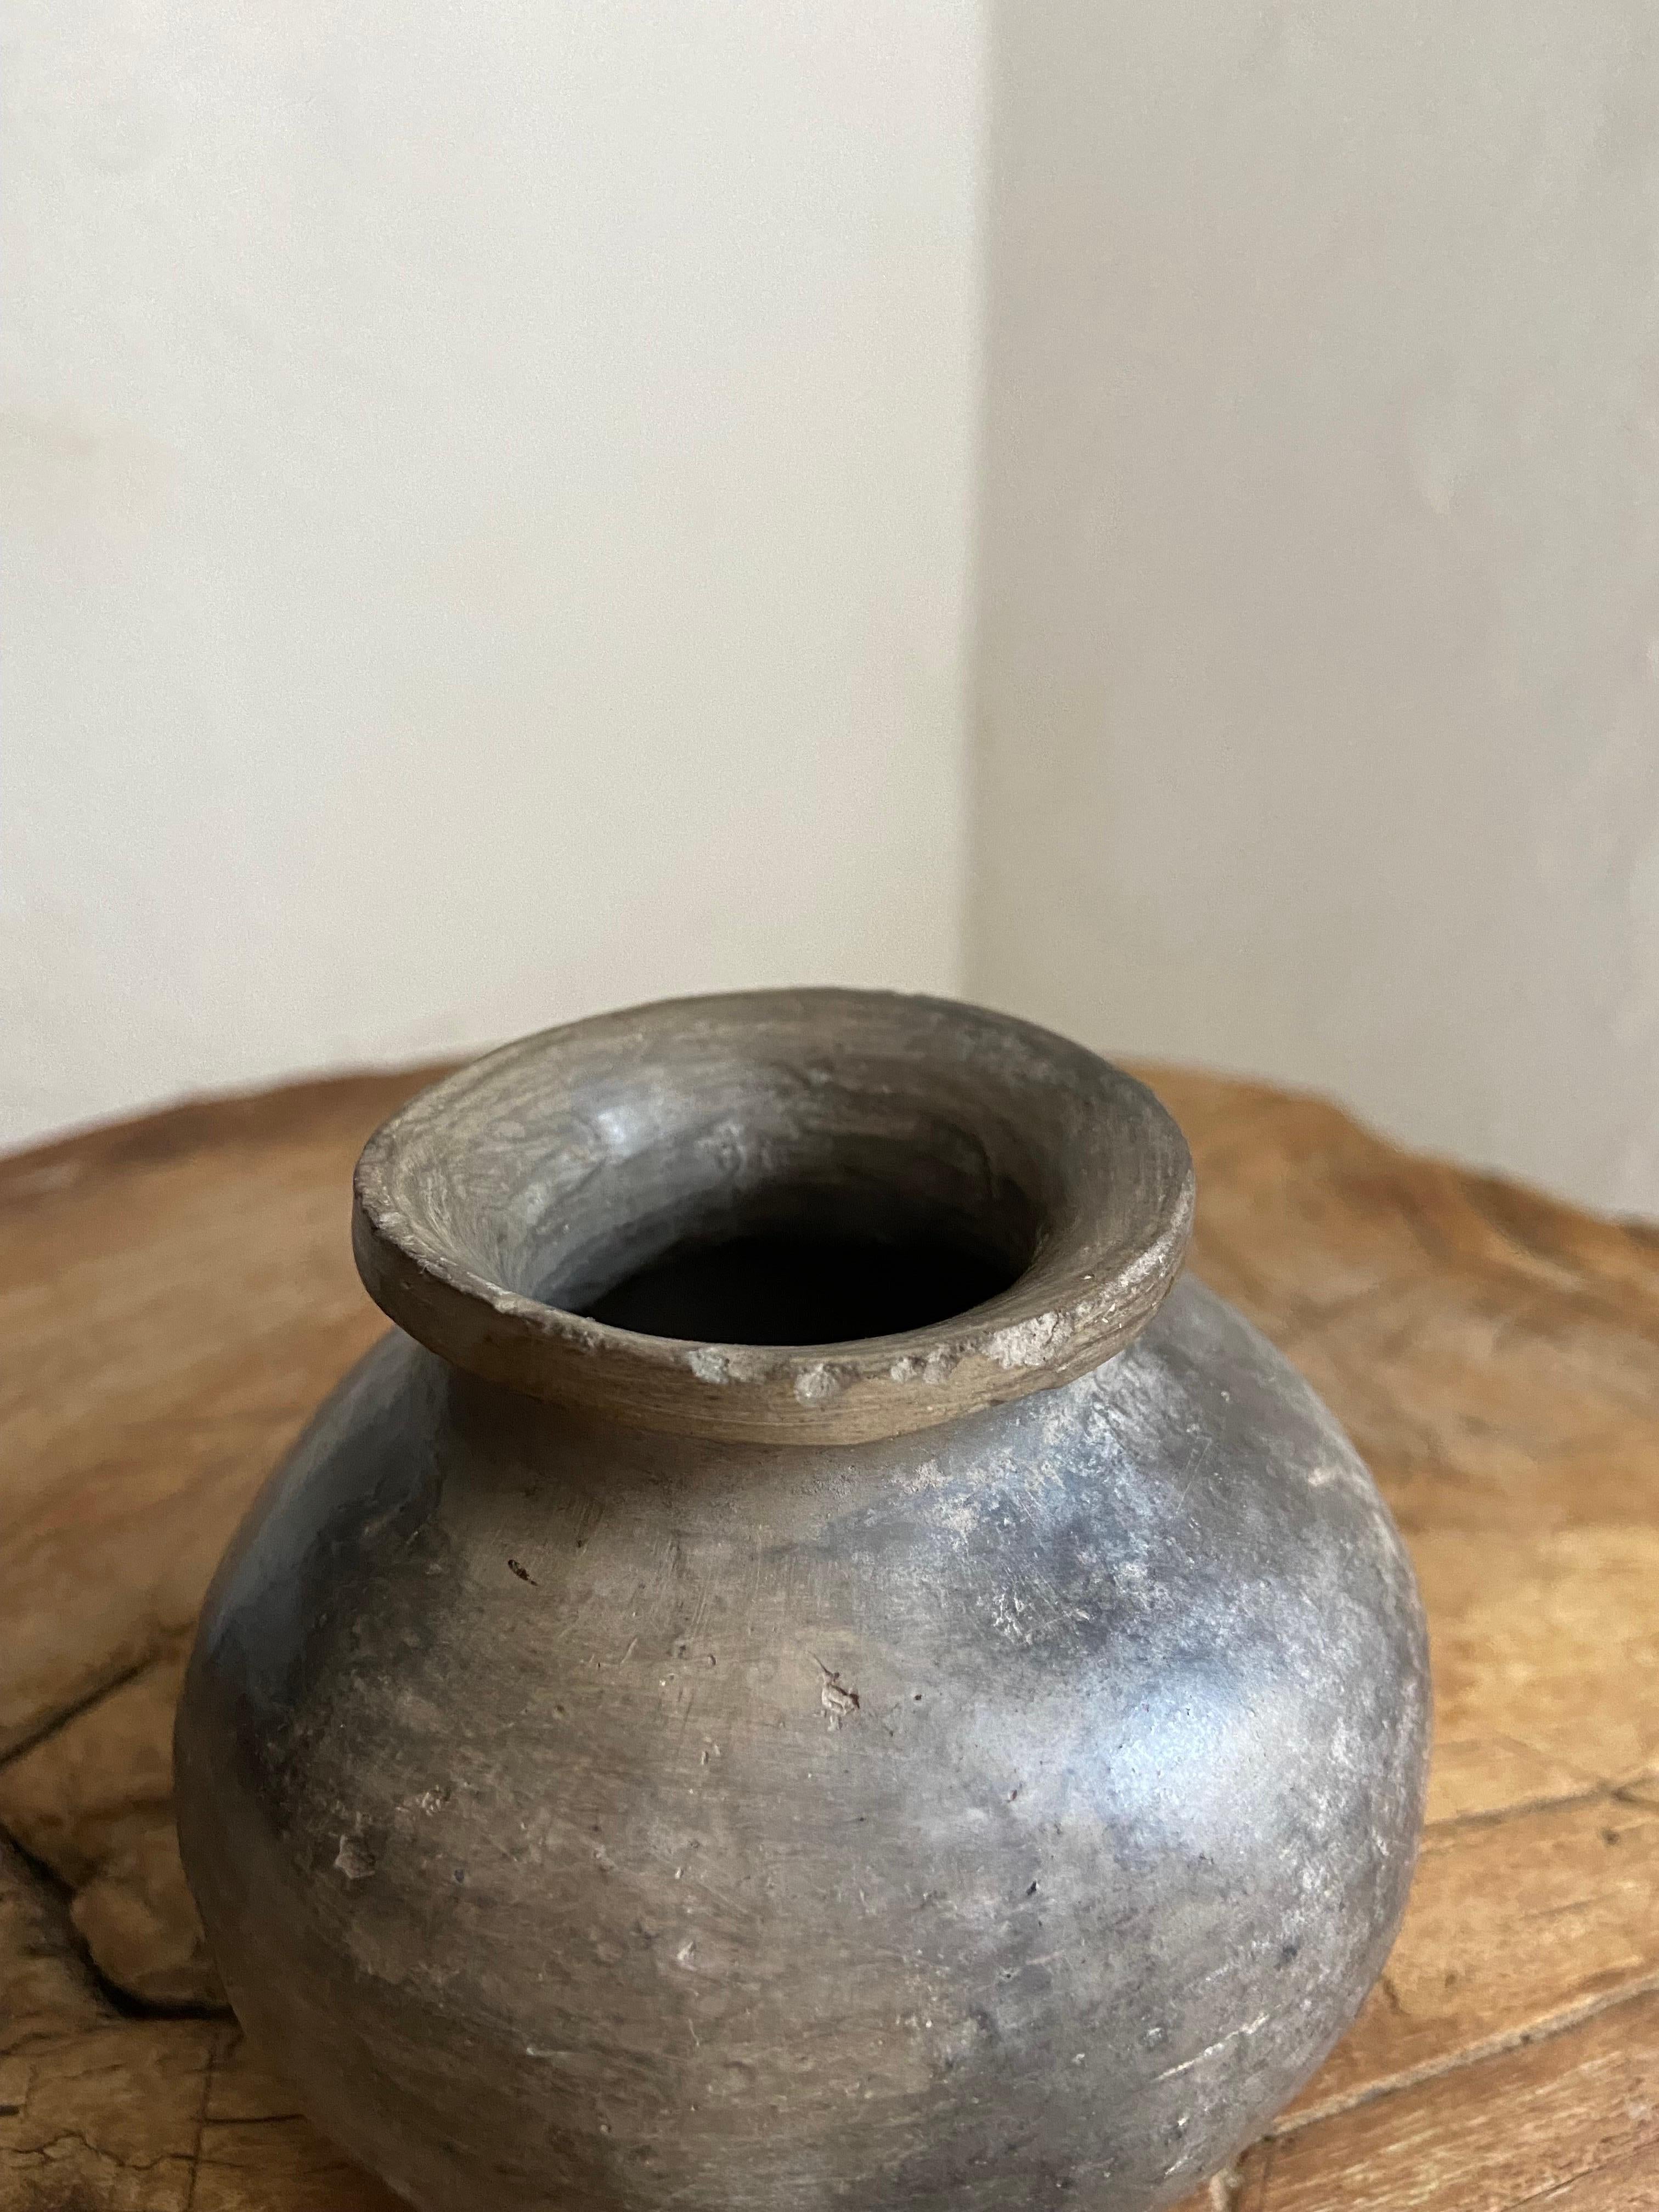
(1320, 657)
(486, 498)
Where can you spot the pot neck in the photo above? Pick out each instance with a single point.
(610, 1215)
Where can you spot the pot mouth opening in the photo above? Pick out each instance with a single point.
(778, 1215)
(805, 1284)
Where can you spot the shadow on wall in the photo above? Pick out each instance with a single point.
(1317, 648)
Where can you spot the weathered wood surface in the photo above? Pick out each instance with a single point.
(177, 1293)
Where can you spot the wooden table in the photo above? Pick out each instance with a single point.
(177, 1292)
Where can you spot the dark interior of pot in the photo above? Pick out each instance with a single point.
(803, 1288)
(788, 1230)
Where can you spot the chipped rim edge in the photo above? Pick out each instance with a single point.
(1052, 1325)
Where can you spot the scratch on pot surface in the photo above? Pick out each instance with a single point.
(1028, 1343)
(938, 1367)
(838, 1700)
(1005, 1612)
(1210, 2050)
(815, 1382)
(354, 1859)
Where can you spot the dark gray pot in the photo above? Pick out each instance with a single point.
(973, 1765)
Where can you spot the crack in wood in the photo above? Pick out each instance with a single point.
(1496, 2046)
(1494, 1816)
(202, 2122)
(60, 1718)
(46, 2153)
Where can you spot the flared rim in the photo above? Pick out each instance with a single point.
(463, 1195)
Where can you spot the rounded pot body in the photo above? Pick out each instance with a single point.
(593, 1815)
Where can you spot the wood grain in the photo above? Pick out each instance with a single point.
(1572, 2120)
(175, 1295)
(101, 2110)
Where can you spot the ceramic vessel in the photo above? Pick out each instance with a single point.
(809, 1669)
